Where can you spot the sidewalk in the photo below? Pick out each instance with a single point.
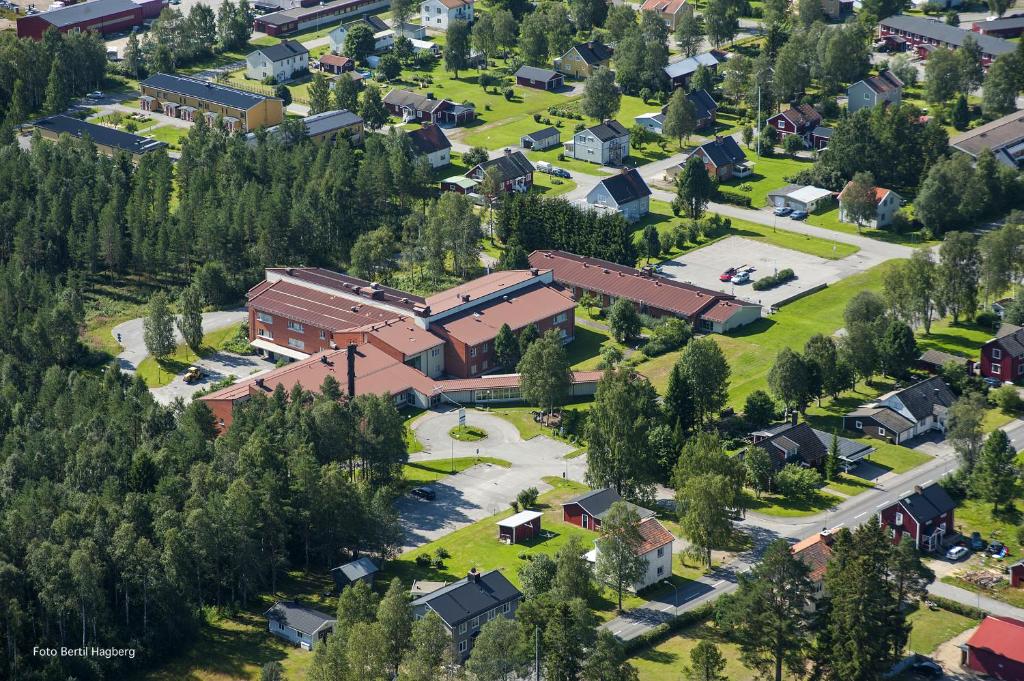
(976, 600)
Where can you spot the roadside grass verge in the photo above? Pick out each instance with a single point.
(434, 469)
(775, 505)
(931, 628)
(467, 433)
(158, 373)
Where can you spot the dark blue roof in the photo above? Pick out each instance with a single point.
(470, 597)
(100, 134)
(206, 90)
(723, 151)
(704, 104)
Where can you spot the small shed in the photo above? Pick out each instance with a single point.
(541, 79)
(541, 139)
(933, 360)
(460, 184)
(522, 525)
(1017, 574)
(359, 570)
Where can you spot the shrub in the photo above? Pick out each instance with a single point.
(958, 608)
(760, 409)
(654, 636)
(442, 553)
(773, 280)
(514, 504)
(423, 560)
(987, 319)
(1007, 398)
(528, 497)
(797, 482)
(668, 335)
(508, 94)
(735, 198)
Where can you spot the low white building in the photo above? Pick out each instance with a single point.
(300, 624)
(656, 549)
(383, 35)
(282, 61)
(806, 198)
(653, 121)
(438, 14)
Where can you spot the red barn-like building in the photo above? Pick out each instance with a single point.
(588, 509)
(1003, 356)
(996, 649)
(926, 516)
(102, 16)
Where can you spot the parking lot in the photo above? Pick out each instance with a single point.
(703, 266)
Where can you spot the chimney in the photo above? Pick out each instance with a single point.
(794, 417)
(473, 575)
(259, 382)
(351, 353)
(323, 360)
(918, 489)
(534, 271)
(508, 152)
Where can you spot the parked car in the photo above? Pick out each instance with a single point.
(997, 549)
(561, 172)
(798, 215)
(423, 493)
(727, 275)
(977, 543)
(783, 211)
(957, 552)
(992, 382)
(193, 374)
(741, 277)
(95, 94)
(926, 669)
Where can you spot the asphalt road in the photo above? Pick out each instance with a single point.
(130, 335)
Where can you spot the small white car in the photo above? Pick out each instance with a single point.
(741, 277)
(957, 552)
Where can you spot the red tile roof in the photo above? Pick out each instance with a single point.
(404, 335)
(350, 285)
(525, 306)
(316, 308)
(1003, 636)
(724, 310)
(664, 6)
(879, 192)
(602, 276)
(815, 552)
(655, 535)
(477, 288)
(334, 60)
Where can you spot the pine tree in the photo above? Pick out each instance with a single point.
(395, 616)
(373, 111)
(832, 459)
(994, 477)
(58, 89)
(563, 656)
(607, 661)
(693, 189)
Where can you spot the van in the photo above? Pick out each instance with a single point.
(544, 167)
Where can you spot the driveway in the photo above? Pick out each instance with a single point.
(215, 367)
(1015, 430)
(130, 335)
(482, 490)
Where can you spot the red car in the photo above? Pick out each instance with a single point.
(727, 275)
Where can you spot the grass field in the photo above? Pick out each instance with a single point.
(829, 219)
(111, 300)
(158, 373)
(850, 485)
(931, 628)
(783, 507)
(664, 662)
(770, 172)
(551, 186)
(168, 134)
(965, 338)
(435, 469)
(590, 341)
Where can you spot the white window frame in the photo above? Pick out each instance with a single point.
(296, 343)
(462, 646)
(661, 570)
(661, 551)
(859, 425)
(899, 518)
(297, 327)
(265, 333)
(997, 353)
(323, 335)
(507, 607)
(472, 352)
(997, 368)
(462, 628)
(558, 319)
(264, 318)
(475, 622)
(881, 430)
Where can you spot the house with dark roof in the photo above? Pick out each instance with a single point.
(933, 361)
(513, 167)
(905, 413)
(605, 144)
(798, 443)
(412, 106)
(923, 35)
(466, 605)
(704, 108)
(281, 62)
(545, 138)
(655, 549)
(680, 72)
(885, 88)
(541, 79)
(103, 16)
(723, 158)
(185, 98)
(800, 120)
(995, 649)
(1003, 136)
(1002, 357)
(325, 126)
(307, 15)
(430, 141)
(383, 35)
(925, 515)
(655, 295)
(361, 569)
(580, 60)
(108, 141)
(625, 193)
(298, 623)
(588, 509)
(1003, 27)
(820, 137)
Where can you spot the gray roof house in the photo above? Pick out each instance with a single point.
(869, 92)
(299, 623)
(588, 509)
(1004, 136)
(605, 144)
(801, 444)
(541, 139)
(625, 193)
(466, 605)
(681, 71)
(723, 158)
(903, 414)
(361, 569)
(281, 61)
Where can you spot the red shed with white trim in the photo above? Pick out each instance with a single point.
(520, 526)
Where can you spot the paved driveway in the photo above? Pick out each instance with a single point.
(482, 490)
(215, 367)
(130, 335)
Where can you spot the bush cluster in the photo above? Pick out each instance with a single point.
(735, 198)
(774, 280)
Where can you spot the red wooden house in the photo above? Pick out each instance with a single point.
(995, 649)
(800, 119)
(515, 170)
(926, 516)
(1003, 356)
(588, 509)
(522, 525)
(1017, 574)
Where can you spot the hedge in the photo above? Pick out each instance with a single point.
(735, 198)
(774, 280)
(957, 607)
(654, 636)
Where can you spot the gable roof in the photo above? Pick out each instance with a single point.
(593, 52)
(685, 67)
(332, 59)
(408, 99)
(923, 398)
(597, 502)
(1011, 339)
(815, 552)
(703, 103)
(455, 4)
(1001, 24)
(100, 134)
(663, 6)
(298, 616)
(626, 186)
(655, 536)
(822, 131)
(801, 116)
(283, 50)
(939, 357)
(1001, 636)
(608, 130)
(511, 165)
(811, 444)
(1004, 136)
(325, 121)
(537, 73)
(879, 193)
(722, 151)
(84, 11)
(205, 90)
(357, 569)
(927, 503)
(890, 418)
(944, 33)
(543, 133)
(884, 82)
(469, 597)
(428, 139)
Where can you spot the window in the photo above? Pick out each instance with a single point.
(475, 622)
(585, 521)
(296, 343)
(997, 353)
(472, 352)
(264, 317)
(1020, 368)
(558, 319)
(462, 646)
(483, 348)
(462, 628)
(661, 551)
(472, 369)
(997, 368)
(296, 326)
(323, 335)
(484, 365)
(867, 96)
(899, 518)
(435, 352)
(661, 570)
(881, 431)
(265, 333)
(782, 123)
(859, 425)
(506, 608)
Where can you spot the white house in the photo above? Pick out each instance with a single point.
(430, 141)
(887, 202)
(437, 14)
(625, 193)
(901, 415)
(656, 549)
(298, 623)
(282, 61)
(383, 35)
(653, 121)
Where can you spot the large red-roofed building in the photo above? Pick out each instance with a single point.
(102, 16)
(997, 649)
(653, 294)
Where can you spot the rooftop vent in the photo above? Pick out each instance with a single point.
(465, 297)
(605, 270)
(505, 298)
(374, 285)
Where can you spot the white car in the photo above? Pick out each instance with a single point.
(957, 552)
(741, 277)
(95, 94)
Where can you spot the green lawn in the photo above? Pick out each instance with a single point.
(965, 338)
(157, 373)
(930, 628)
(770, 172)
(522, 417)
(894, 457)
(664, 662)
(850, 485)
(585, 350)
(829, 219)
(412, 443)
(550, 185)
(168, 134)
(772, 504)
(973, 515)
(570, 164)
(435, 469)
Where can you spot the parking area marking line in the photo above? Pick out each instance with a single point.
(861, 515)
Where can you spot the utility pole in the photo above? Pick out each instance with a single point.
(536, 654)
